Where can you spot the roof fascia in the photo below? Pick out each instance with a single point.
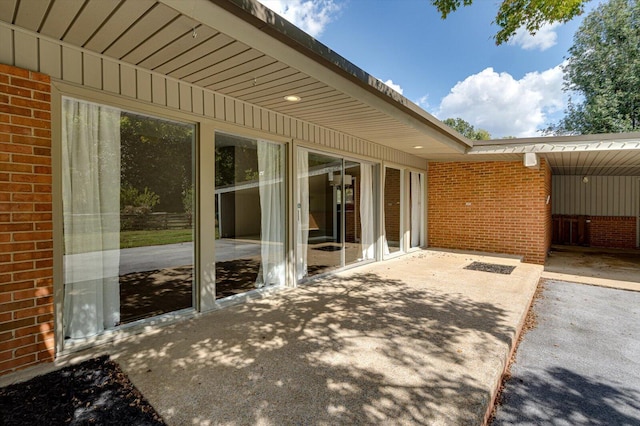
(558, 146)
(248, 21)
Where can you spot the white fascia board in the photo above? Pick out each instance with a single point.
(216, 17)
(549, 148)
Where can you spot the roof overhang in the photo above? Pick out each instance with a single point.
(616, 154)
(243, 50)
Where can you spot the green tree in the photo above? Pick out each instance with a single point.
(603, 70)
(513, 14)
(467, 130)
(156, 156)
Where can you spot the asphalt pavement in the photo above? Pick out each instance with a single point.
(581, 364)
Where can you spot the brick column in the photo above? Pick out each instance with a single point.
(26, 240)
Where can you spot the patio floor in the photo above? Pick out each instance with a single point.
(413, 340)
(417, 339)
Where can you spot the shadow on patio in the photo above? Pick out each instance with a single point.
(357, 348)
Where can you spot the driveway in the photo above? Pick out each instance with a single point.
(581, 364)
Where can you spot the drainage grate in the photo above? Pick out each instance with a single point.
(491, 267)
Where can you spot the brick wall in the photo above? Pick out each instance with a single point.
(497, 207)
(26, 241)
(612, 232)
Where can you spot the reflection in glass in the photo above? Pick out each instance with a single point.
(127, 184)
(392, 211)
(250, 214)
(415, 194)
(324, 250)
(335, 213)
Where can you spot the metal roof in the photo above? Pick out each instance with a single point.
(616, 154)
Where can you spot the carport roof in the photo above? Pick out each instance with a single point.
(615, 154)
(241, 49)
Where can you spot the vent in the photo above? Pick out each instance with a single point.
(491, 267)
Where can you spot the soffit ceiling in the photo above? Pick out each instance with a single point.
(157, 37)
(590, 155)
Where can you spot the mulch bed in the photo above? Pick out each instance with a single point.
(95, 392)
(490, 267)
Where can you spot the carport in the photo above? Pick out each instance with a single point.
(595, 199)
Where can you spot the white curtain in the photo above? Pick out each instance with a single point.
(416, 209)
(302, 199)
(385, 243)
(272, 265)
(366, 212)
(91, 205)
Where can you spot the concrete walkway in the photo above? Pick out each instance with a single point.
(414, 340)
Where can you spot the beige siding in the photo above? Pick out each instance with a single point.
(600, 196)
(75, 65)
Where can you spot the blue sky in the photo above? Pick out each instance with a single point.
(452, 67)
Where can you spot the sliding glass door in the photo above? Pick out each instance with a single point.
(416, 196)
(250, 214)
(335, 213)
(393, 223)
(127, 199)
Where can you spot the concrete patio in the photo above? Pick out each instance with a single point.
(413, 340)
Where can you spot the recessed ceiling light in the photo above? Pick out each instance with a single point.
(418, 147)
(292, 98)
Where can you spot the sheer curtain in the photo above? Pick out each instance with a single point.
(366, 212)
(385, 243)
(91, 205)
(416, 209)
(302, 236)
(272, 265)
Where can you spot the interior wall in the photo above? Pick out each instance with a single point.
(597, 211)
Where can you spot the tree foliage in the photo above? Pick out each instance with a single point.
(513, 14)
(466, 129)
(156, 157)
(603, 70)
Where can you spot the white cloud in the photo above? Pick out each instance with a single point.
(544, 38)
(312, 16)
(394, 86)
(503, 105)
(423, 102)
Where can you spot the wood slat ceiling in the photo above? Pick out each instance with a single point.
(149, 34)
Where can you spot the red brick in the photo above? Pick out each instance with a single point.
(14, 325)
(8, 69)
(15, 110)
(17, 363)
(29, 84)
(16, 343)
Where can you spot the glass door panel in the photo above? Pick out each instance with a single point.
(335, 213)
(324, 248)
(392, 210)
(351, 202)
(250, 214)
(415, 202)
(127, 196)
